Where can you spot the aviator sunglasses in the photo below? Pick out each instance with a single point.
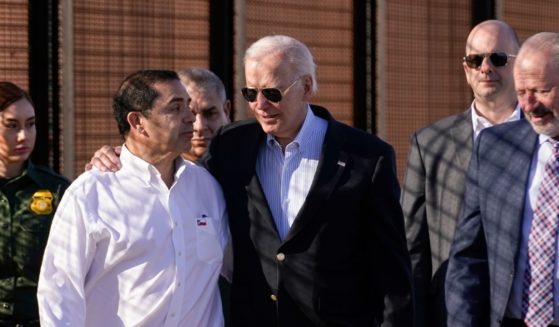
(272, 94)
(498, 59)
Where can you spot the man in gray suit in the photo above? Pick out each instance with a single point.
(438, 159)
(504, 222)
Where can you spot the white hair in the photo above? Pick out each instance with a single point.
(294, 51)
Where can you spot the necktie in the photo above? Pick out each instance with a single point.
(537, 297)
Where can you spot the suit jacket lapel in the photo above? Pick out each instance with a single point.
(463, 136)
(332, 163)
(263, 226)
(519, 167)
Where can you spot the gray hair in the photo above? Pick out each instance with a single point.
(203, 79)
(543, 42)
(294, 51)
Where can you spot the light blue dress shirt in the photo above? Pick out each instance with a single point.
(286, 178)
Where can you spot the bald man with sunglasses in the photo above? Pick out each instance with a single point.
(438, 159)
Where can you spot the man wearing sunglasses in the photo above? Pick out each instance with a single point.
(317, 229)
(438, 159)
(318, 235)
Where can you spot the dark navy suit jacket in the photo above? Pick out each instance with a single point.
(344, 261)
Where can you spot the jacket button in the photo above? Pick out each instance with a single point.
(273, 297)
(280, 257)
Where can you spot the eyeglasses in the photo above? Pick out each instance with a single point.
(272, 94)
(498, 59)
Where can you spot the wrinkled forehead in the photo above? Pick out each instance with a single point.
(205, 98)
(170, 88)
(536, 67)
(269, 70)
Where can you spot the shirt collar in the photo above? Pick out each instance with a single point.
(144, 170)
(480, 122)
(544, 138)
(30, 171)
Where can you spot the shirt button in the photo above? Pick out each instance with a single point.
(280, 257)
(180, 253)
(173, 315)
(273, 297)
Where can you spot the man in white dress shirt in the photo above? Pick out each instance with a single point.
(143, 246)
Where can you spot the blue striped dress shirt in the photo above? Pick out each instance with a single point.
(286, 178)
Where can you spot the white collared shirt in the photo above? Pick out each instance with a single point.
(126, 250)
(286, 178)
(537, 170)
(480, 123)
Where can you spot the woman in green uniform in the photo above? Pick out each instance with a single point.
(29, 195)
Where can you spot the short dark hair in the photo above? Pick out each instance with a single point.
(136, 93)
(10, 93)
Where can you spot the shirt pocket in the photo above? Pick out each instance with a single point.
(208, 245)
(31, 240)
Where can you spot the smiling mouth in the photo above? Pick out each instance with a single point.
(540, 111)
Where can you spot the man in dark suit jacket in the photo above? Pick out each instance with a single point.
(488, 259)
(316, 226)
(339, 257)
(438, 159)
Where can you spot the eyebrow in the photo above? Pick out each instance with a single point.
(15, 119)
(208, 108)
(176, 99)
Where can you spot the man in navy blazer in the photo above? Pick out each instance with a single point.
(488, 258)
(316, 225)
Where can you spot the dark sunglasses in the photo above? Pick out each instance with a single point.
(498, 59)
(272, 94)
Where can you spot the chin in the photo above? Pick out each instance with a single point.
(19, 159)
(549, 129)
(269, 129)
(198, 152)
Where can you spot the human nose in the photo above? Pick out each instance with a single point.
(486, 65)
(261, 100)
(528, 101)
(22, 135)
(199, 123)
(188, 116)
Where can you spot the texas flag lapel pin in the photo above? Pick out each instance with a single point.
(201, 221)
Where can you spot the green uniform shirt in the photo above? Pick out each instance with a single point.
(27, 206)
